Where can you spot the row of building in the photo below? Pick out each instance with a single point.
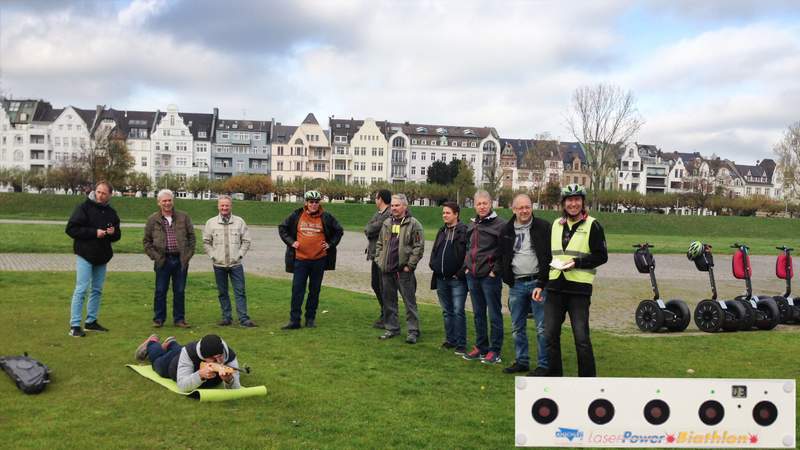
(36, 136)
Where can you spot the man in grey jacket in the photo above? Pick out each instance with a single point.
(226, 240)
(399, 249)
(373, 229)
(484, 279)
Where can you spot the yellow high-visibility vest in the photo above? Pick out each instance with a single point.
(578, 247)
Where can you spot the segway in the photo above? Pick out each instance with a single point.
(788, 308)
(653, 315)
(761, 311)
(712, 315)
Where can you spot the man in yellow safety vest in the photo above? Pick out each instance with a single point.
(578, 244)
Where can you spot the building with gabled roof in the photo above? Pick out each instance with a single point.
(241, 147)
(360, 150)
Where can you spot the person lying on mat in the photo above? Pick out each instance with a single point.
(184, 363)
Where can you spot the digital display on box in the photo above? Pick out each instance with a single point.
(739, 391)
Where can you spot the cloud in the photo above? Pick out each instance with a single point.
(511, 65)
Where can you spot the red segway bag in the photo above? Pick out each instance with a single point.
(741, 265)
(783, 267)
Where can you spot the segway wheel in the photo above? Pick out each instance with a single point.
(709, 316)
(748, 320)
(682, 315)
(770, 315)
(784, 309)
(736, 316)
(649, 316)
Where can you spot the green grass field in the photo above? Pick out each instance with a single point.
(335, 386)
(670, 234)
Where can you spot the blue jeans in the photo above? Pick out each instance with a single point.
(486, 293)
(520, 303)
(170, 270)
(161, 359)
(452, 294)
(306, 272)
(85, 273)
(236, 273)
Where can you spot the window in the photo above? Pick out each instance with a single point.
(374, 167)
(279, 165)
(423, 142)
(422, 156)
(413, 156)
(433, 143)
(413, 142)
(380, 167)
(57, 141)
(444, 156)
(380, 152)
(201, 134)
(463, 156)
(298, 166)
(340, 164)
(180, 161)
(239, 165)
(374, 151)
(463, 143)
(399, 142)
(413, 170)
(319, 167)
(422, 171)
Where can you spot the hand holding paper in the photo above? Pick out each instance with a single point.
(562, 265)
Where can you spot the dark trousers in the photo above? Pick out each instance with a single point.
(171, 270)
(557, 306)
(377, 285)
(161, 359)
(406, 283)
(485, 293)
(306, 273)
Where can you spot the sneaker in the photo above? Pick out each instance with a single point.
(94, 326)
(411, 339)
(388, 335)
(447, 346)
(141, 351)
(516, 367)
(379, 324)
(539, 372)
(474, 355)
(182, 324)
(167, 341)
(492, 358)
(158, 323)
(460, 351)
(76, 332)
(291, 326)
(225, 322)
(310, 323)
(249, 324)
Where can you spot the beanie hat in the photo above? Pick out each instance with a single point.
(210, 345)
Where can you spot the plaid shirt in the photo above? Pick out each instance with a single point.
(172, 243)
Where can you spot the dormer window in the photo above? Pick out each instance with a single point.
(422, 130)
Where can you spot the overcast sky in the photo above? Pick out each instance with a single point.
(719, 77)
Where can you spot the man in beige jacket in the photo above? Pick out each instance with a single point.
(226, 240)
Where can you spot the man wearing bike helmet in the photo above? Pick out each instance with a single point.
(311, 236)
(578, 244)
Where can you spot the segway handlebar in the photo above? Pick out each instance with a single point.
(784, 248)
(741, 246)
(645, 245)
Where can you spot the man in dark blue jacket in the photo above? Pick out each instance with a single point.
(93, 226)
(447, 262)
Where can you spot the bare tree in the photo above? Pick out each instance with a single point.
(493, 178)
(603, 118)
(787, 151)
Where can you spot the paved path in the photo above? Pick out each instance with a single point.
(618, 287)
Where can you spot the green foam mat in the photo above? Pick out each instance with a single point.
(204, 395)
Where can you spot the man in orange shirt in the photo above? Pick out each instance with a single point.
(311, 236)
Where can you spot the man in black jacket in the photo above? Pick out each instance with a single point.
(311, 236)
(525, 259)
(447, 261)
(372, 230)
(93, 226)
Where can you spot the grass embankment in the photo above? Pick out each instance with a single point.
(335, 386)
(670, 234)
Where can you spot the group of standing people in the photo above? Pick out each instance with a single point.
(549, 269)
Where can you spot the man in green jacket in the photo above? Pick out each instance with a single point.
(169, 241)
(399, 249)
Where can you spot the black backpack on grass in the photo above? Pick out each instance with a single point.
(30, 375)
